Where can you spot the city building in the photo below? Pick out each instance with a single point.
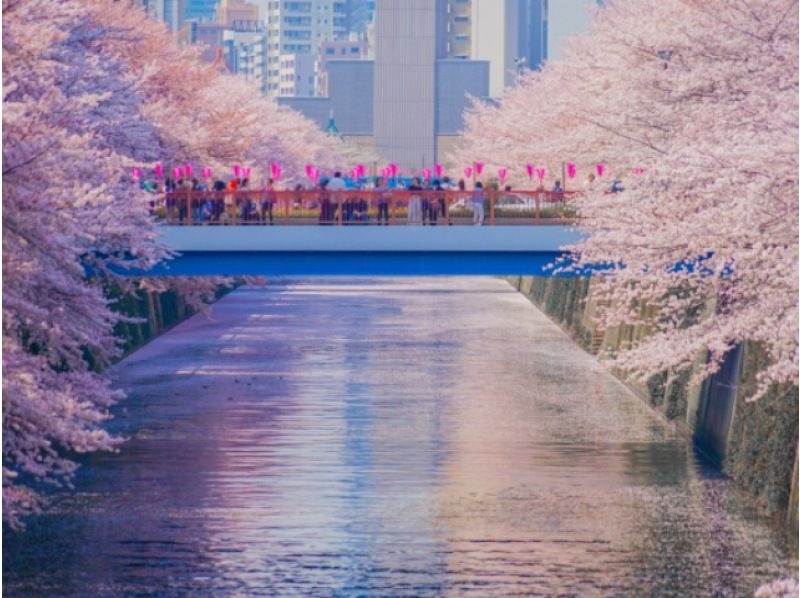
(355, 47)
(298, 28)
(407, 105)
(200, 10)
(459, 29)
(245, 53)
(512, 35)
(297, 75)
(170, 12)
(233, 13)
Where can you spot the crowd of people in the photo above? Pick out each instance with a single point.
(427, 200)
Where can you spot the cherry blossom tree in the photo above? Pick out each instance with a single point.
(91, 89)
(693, 104)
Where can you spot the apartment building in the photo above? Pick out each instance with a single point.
(298, 27)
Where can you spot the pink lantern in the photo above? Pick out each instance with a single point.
(354, 172)
(468, 172)
(187, 170)
(362, 171)
(529, 168)
(571, 170)
(540, 174)
(478, 168)
(310, 171)
(159, 170)
(246, 172)
(638, 171)
(439, 171)
(136, 173)
(502, 173)
(178, 172)
(426, 174)
(600, 169)
(237, 170)
(393, 168)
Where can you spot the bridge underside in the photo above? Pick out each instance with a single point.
(348, 263)
(369, 251)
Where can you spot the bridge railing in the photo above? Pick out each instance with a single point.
(184, 207)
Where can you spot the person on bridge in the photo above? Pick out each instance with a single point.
(436, 203)
(415, 202)
(336, 186)
(326, 210)
(558, 192)
(382, 193)
(478, 199)
(268, 199)
(426, 201)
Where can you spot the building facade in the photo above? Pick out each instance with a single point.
(356, 47)
(409, 38)
(170, 12)
(459, 29)
(297, 75)
(512, 35)
(299, 28)
(230, 13)
(200, 10)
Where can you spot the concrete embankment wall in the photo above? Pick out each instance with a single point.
(754, 442)
(158, 313)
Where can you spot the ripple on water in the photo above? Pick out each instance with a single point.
(387, 437)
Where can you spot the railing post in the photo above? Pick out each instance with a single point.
(538, 208)
(393, 205)
(235, 211)
(285, 196)
(340, 203)
(492, 196)
(447, 195)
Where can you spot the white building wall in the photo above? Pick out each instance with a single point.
(494, 38)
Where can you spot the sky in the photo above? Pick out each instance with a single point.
(566, 18)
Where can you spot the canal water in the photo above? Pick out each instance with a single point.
(388, 437)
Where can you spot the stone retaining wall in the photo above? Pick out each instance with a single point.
(754, 442)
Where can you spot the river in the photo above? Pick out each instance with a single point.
(388, 437)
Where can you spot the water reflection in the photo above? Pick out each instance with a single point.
(375, 437)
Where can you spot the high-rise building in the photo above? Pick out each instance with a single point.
(459, 29)
(200, 10)
(299, 28)
(407, 104)
(512, 35)
(408, 41)
(232, 13)
(171, 12)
